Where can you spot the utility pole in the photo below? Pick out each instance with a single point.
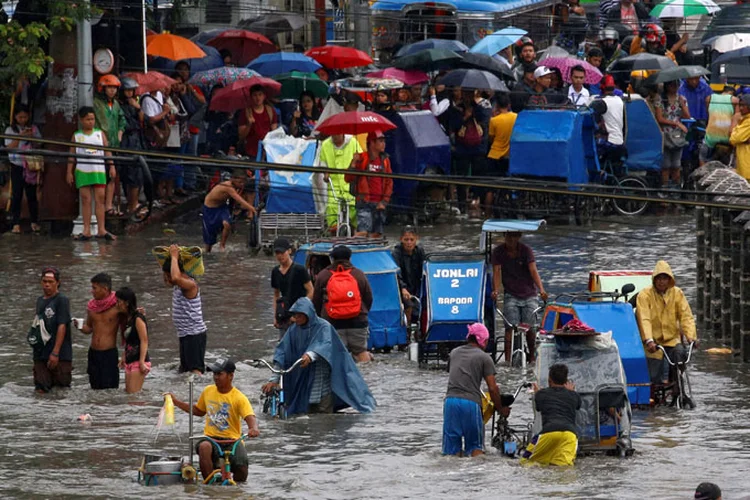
(362, 31)
(85, 63)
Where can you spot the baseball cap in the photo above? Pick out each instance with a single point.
(372, 136)
(281, 245)
(341, 252)
(222, 365)
(707, 491)
(608, 82)
(480, 333)
(542, 71)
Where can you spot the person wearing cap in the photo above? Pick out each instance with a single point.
(225, 407)
(720, 112)
(111, 120)
(217, 216)
(328, 379)
(353, 331)
(543, 94)
(53, 349)
(290, 281)
(557, 443)
(739, 136)
(372, 193)
(131, 175)
(613, 124)
(468, 366)
(707, 491)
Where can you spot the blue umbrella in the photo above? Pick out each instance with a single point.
(432, 43)
(211, 61)
(283, 62)
(497, 41)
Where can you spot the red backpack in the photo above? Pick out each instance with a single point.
(344, 299)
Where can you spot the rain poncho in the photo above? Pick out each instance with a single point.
(664, 317)
(347, 384)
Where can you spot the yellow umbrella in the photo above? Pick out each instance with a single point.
(172, 47)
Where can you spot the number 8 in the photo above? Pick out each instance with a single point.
(454, 310)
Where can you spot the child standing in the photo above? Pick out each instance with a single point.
(90, 175)
(373, 193)
(557, 444)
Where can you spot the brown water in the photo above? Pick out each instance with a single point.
(393, 453)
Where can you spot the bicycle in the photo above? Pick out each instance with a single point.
(274, 403)
(683, 397)
(519, 347)
(224, 473)
(615, 174)
(510, 440)
(343, 223)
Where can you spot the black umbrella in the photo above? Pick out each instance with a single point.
(644, 61)
(738, 56)
(431, 43)
(273, 24)
(428, 60)
(483, 61)
(728, 20)
(473, 79)
(678, 73)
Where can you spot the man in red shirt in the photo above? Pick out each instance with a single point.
(257, 120)
(373, 193)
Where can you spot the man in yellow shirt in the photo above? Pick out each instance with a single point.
(500, 130)
(664, 317)
(739, 136)
(224, 407)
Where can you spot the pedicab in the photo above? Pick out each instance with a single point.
(387, 321)
(286, 201)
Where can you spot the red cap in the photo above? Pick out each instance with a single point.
(608, 82)
(373, 136)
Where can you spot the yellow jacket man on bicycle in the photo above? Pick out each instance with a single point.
(664, 317)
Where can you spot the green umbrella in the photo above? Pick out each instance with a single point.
(296, 82)
(684, 8)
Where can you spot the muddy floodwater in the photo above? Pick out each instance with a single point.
(393, 453)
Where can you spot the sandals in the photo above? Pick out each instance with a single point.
(81, 237)
(106, 236)
(16, 229)
(36, 228)
(114, 212)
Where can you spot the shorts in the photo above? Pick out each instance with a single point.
(239, 459)
(552, 448)
(213, 222)
(103, 369)
(193, 353)
(131, 174)
(463, 427)
(672, 158)
(369, 219)
(135, 366)
(519, 311)
(355, 339)
(45, 379)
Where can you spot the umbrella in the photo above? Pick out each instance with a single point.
(684, 8)
(553, 51)
(733, 41)
(237, 95)
(151, 81)
(643, 60)
(407, 77)
(565, 64)
(355, 123)
(204, 36)
(431, 43)
(497, 41)
(283, 62)
(211, 60)
(273, 24)
(244, 45)
(363, 85)
(428, 60)
(172, 47)
(221, 76)
(485, 62)
(728, 20)
(296, 82)
(475, 79)
(738, 56)
(678, 73)
(337, 57)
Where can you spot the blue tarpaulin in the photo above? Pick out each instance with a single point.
(644, 138)
(554, 144)
(290, 192)
(511, 225)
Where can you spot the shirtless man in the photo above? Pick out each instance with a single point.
(217, 217)
(102, 321)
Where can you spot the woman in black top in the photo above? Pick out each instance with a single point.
(134, 331)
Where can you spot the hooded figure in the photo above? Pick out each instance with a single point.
(663, 313)
(319, 337)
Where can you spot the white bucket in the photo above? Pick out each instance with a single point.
(414, 351)
(163, 472)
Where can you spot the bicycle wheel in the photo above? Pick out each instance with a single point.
(630, 186)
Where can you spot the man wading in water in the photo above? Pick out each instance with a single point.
(217, 217)
(102, 320)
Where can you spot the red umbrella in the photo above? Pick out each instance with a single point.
(337, 57)
(405, 76)
(151, 81)
(355, 123)
(244, 45)
(237, 95)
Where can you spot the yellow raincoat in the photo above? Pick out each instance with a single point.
(663, 317)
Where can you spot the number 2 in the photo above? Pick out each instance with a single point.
(454, 283)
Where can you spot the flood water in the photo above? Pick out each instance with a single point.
(393, 453)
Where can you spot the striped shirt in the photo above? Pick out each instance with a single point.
(90, 171)
(187, 314)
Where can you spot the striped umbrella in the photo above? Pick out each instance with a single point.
(684, 8)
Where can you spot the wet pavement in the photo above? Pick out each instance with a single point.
(393, 453)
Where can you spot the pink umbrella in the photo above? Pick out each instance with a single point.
(405, 76)
(564, 64)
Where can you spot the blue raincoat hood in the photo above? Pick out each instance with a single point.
(347, 384)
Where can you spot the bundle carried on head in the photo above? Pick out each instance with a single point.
(190, 257)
